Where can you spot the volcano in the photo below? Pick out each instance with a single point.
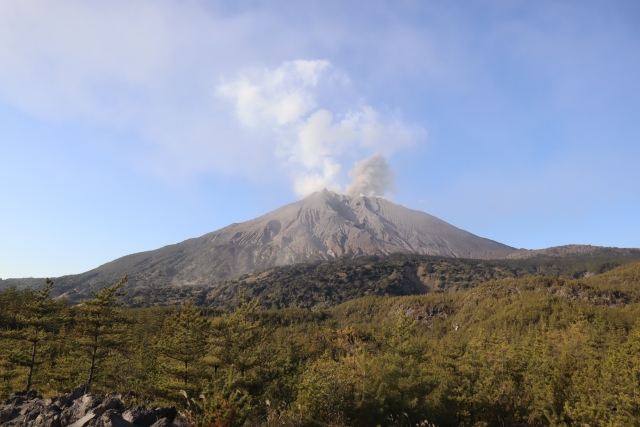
(323, 226)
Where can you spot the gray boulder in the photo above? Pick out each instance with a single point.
(28, 409)
(141, 416)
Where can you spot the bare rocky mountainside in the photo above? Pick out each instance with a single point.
(323, 226)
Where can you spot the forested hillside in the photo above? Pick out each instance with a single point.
(519, 351)
(330, 283)
(326, 283)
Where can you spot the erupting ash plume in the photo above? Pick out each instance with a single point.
(371, 177)
(311, 139)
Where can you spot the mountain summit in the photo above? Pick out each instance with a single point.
(327, 225)
(322, 226)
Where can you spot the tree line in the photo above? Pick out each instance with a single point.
(537, 351)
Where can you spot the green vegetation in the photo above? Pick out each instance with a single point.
(517, 351)
(39, 315)
(323, 285)
(181, 347)
(99, 328)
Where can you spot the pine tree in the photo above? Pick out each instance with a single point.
(39, 315)
(100, 328)
(182, 345)
(400, 385)
(10, 302)
(9, 309)
(237, 349)
(236, 338)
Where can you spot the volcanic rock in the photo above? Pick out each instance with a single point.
(79, 410)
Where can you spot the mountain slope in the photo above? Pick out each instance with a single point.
(327, 225)
(585, 251)
(322, 226)
(321, 285)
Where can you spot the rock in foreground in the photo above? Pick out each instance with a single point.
(28, 409)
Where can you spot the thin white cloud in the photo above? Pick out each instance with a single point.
(145, 68)
(310, 139)
(150, 69)
(73, 59)
(281, 96)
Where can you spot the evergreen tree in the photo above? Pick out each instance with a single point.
(39, 314)
(401, 382)
(325, 391)
(10, 302)
(236, 338)
(9, 299)
(100, 327)
(622, 380)
(181, 347)
(238, 355)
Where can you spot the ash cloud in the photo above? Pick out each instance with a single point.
(371, 177)
(313, 141)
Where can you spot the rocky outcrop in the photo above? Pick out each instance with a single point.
(28, 409)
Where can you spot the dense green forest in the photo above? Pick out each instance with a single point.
(516, 351)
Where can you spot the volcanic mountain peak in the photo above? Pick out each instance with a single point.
(322, 226)
(326, 225)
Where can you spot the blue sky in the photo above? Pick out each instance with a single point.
(129, 125)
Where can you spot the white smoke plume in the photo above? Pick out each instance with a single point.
(309, 139)
(275, 98)
(371, 177)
